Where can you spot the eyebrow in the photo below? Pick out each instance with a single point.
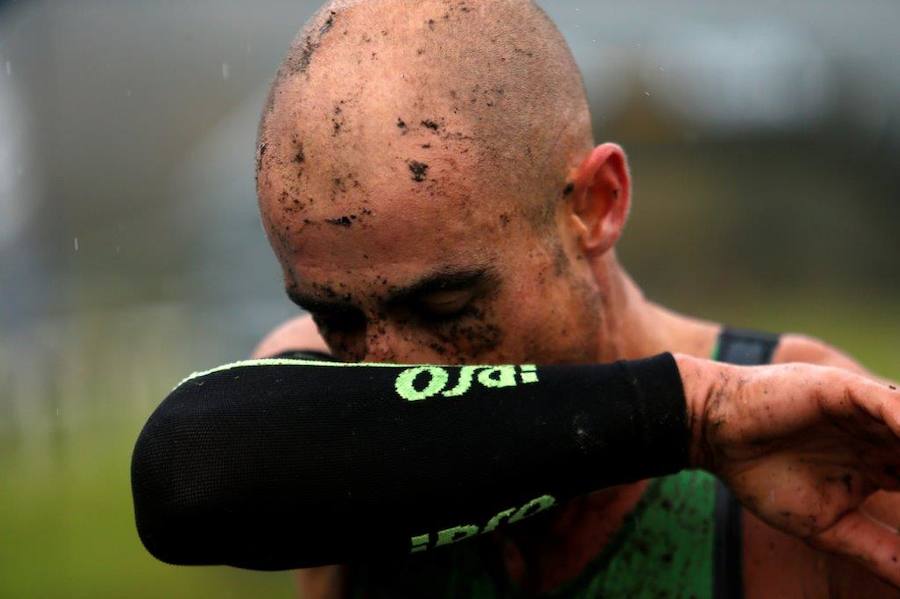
(446, 280)
(443, 280)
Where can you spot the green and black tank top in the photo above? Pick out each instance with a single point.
(682, 540)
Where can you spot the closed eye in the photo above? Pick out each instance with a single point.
(445, 304)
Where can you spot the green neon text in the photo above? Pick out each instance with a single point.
(455, 534)
(422, 382)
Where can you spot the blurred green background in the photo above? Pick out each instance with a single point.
(763, 141)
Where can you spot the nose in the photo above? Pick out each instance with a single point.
(379, 347)
(386, 343)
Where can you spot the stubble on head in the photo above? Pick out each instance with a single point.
(399, 133)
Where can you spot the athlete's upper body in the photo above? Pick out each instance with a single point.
(429, 181)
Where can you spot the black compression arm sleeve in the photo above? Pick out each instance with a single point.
(275, 464)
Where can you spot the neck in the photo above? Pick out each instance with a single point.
(541, 556)
(634, 327)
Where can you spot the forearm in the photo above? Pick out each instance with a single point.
(321, 463)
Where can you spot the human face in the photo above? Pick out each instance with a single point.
(414, 278)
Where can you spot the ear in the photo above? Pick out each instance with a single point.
(601, 198)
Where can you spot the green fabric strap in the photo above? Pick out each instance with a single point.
(663, 549)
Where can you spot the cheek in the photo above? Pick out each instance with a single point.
(554, 317)
(473, 337)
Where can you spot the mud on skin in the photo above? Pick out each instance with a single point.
(301, 62)
(455, 341)
(418, 170)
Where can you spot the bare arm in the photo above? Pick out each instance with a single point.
(809, 350)
(324, 582)
(297, 333)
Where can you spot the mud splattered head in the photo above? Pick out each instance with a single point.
(437, 91)
(432, 124)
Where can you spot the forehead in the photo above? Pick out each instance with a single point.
(384, 229)
(368, 190)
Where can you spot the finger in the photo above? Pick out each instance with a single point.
(881, 401)
(883, 507)
(871, 543)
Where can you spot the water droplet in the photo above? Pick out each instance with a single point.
(127, 93)
(8, 69)
(646, 93)
(226, 71)
(75, 243)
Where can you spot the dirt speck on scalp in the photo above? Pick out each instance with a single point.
(504, 219)
(300, 62)
(401, 124)
(527, 53)
(342, 221)
(569, 188)
(419, 170)
(260, 153)
(337, 121)
(428, 123)
(329, 22)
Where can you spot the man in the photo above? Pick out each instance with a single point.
(428, 179)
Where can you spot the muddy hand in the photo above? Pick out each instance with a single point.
(802, 447)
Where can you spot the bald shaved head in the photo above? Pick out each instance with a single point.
(412, 158)
(465, 100)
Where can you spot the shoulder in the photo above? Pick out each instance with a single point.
(801, 348)
(297, 333)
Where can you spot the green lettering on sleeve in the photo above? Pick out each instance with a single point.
(405, 383)
(465, 381)
(528, 373)
(498, 376)
(535, 506)
(419, 543)
(494, 522)
(454, 534)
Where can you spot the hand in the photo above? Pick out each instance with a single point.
(802, 447)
